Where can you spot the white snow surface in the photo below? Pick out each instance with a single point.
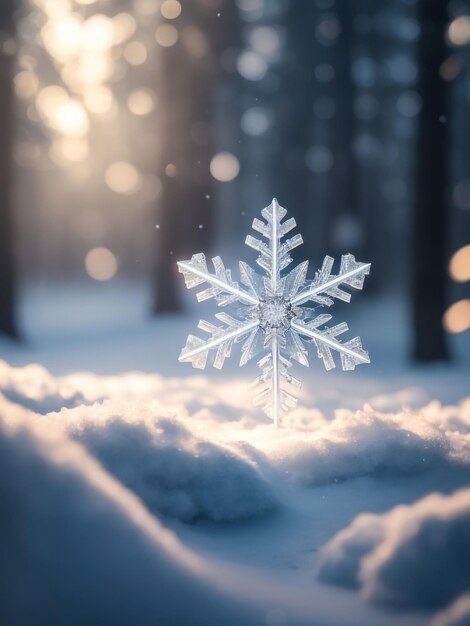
(416, 555)
(122, 495)
(79, 548)
(171, 465)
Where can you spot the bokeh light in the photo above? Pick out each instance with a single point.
(256, 121)
(319, 159)
(251, 65)
(170, 9)
(166, 35)
(71, 119)
(224, 166)
(266, 40)
(458, 31)
(101, 264)
(459, 266)
(135, 53)
(98, 99)
(122, 177)
(26, 84)
(141, 102)
(461, 194)
(67, 149)
(457, 317)
(195, 41)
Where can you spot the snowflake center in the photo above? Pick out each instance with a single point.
(275, 312)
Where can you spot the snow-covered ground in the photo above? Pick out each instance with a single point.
(136, 492)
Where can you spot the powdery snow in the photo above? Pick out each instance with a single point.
(415, 555)
(92, 466)
(172, 466)
(79, 548)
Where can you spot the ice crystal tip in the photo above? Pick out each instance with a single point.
(276, 312)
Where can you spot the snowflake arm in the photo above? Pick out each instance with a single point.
(196, 350)
(351, 352)
(222, 287)
(326, 285)
(274, 257)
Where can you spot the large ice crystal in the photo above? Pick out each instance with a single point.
(276, 313)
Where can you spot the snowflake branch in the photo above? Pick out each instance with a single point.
(352, 357)
(320, 285)
(273, 258)
(217, 340)
(197, 267)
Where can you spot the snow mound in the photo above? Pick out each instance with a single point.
(170, 463)
(412, 556)
(308, 448)
(78, 548)
(34, 388)
(458, 614)
(370, 443)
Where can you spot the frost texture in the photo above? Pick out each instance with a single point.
(276, 314)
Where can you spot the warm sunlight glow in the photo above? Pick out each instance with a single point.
(94, 68)
(61, 113)
(459, 266)
(224, 166)
(97, 33)
(26, 84)
(170, 9)
(62, 36)
(67, 149)
(135, 53)
(72, 120)
(49, 101)
(124, 27)
(122, 177)
(457, 317)
(166, 35)
(146, 7)
(101, 264)
(98, 99)
(141, 102)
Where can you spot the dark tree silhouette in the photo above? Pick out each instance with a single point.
(190, 72)
(7, 279)
(429, 225)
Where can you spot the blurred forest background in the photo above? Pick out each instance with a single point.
(137, 132)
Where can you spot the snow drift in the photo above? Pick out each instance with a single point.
(370, 443)
(78, 548)
(412, 556)
(170, 463)
(81, 476)
(209, 432)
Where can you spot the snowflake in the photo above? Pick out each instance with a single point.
(272, 316)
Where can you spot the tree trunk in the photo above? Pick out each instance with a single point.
(190, 70)
(7, 278)
(429, 227)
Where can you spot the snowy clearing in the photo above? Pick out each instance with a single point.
(99, 458)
